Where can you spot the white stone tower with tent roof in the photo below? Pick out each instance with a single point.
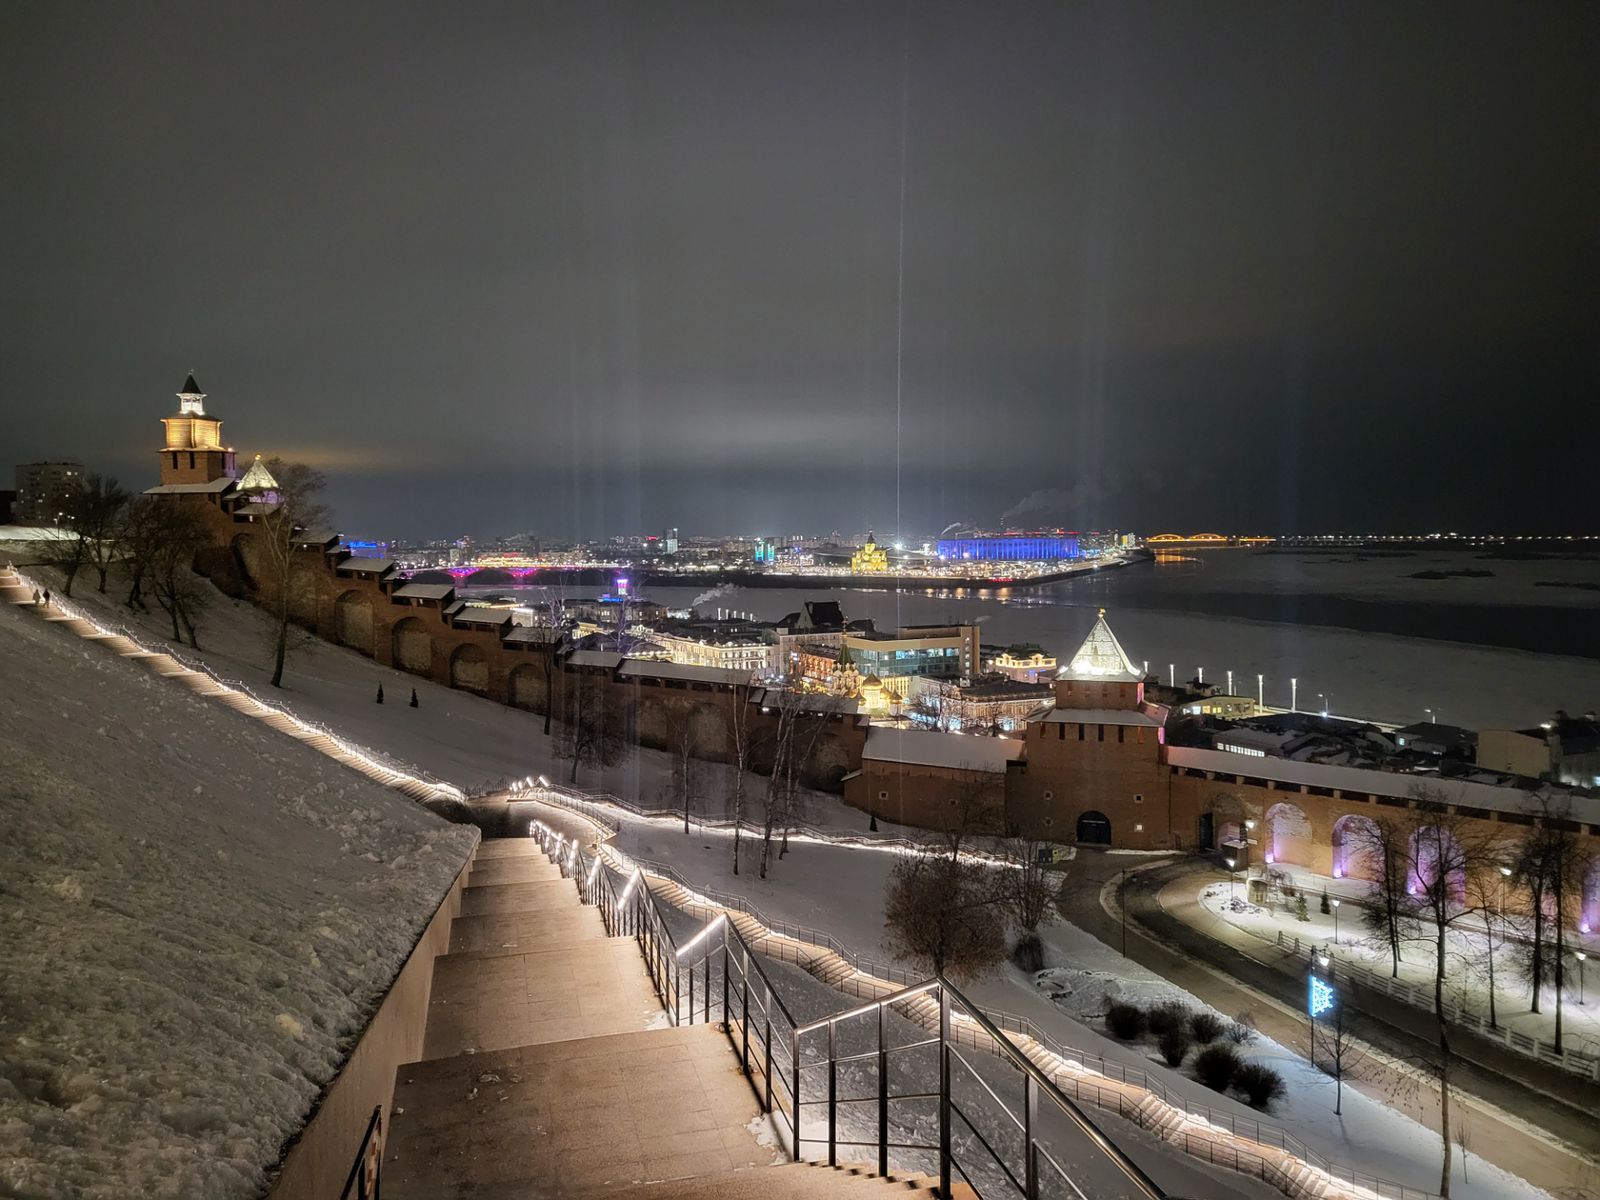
(1100, 674)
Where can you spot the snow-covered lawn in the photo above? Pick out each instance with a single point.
(1343, 937)
(200, 916)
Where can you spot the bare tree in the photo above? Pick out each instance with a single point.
(1341, 1054)
(100, 517)
(1389, 915)
(802, 719)
(1445, 850)
(941, 913)
(684, 736)
(69, 552)
(1550, 864)
(138, 536)
(1028, 892)
(743, 738)
(589, 734)
(177, 536)
(296, 511)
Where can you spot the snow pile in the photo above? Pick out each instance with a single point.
(200, 916)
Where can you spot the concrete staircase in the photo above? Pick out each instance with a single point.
(549, 1068)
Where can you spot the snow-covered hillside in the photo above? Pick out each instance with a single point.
(199, 915)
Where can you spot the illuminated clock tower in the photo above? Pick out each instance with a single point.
(194, 452)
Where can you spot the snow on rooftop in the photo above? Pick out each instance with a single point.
(1100, 658)
(424, 591)
(1363, 780)
(924, 748)
(367, 566)
(202, 914)
(648, 669)
(1099, 716)
(182, 489)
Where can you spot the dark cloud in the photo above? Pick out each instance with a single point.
(579, 268)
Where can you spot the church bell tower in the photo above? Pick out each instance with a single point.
(194, 452)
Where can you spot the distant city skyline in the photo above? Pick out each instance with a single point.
(585, 269)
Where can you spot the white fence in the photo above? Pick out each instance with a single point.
(1420, 995)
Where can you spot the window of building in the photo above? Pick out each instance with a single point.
(1049, 795)
(1120, 729)
(1138, 798)
(1081, 729)
(1138, 828)
(1102, 730)
(883, 795)
(191, 460)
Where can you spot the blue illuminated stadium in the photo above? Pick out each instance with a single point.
(1011, 547)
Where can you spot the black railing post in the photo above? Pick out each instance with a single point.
(1030, 1114)
(708, 987)
(883, 1100)
(833, 1101)
(744, 1017)
(944, 1092)
(794, 1048)
(691, 993)
(727, 962)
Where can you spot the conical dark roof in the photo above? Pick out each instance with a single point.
(190, 387)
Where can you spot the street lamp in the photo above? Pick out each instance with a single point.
(1261, 693)
(1324, 701)
(1231, 863)
(1335, 903)
(1294, 694)
(1582, 958)
(1432, 716)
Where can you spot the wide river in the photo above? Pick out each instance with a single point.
(1483, 641)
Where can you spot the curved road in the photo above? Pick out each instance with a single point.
(1550, 1143)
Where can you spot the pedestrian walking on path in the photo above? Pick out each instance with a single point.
(414, 698)
(37, 599)
(380, 693)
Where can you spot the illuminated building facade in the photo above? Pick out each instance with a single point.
(194, 453)
(1017, 547)
(871, 559)
(45, 491)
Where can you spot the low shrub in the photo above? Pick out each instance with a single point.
(1215, 1066)
(1239, 1033)
(1206, 1027)
(1126, 1021)
(1175, 1045)
(1028, 953)
(1260, 1085)
(1167, 1016)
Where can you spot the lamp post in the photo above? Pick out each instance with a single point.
(1582, 958)
(1231, 863)
(1261, 692)
(1500, 908)
(1432, 716)
(1335, 903)
(1294, 694)
(1323, 701)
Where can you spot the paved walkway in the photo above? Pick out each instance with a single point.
(1509, 1121)
(549, 1067)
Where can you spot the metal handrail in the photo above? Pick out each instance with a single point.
(358, 1177)
(645, 918)
(997, 1021)
(1035, 1083)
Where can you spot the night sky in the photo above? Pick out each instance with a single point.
(588, 268)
